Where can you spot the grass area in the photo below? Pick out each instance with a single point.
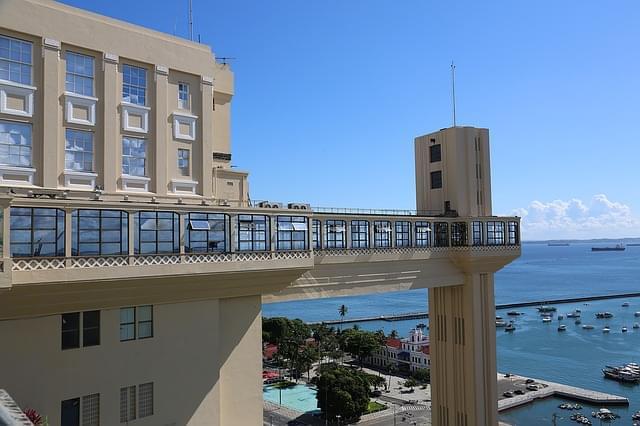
(374, 407)
(284, 384)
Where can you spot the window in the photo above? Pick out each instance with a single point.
(403, 234)
(156, 232)
(70, 412)
(336, 234)
(441, 234)
(458, 234)
(134, 157)
(183, 162)
(435, 153)
(36, 232)
(253, 232)
(292, 233)
(78, 150)
(436, 180)
(183, 95)
(423, 232)
(128, 408)
(99, 232)
(477, 236)
(72, 324)
(15, 60)
(495, 233)
(381, 233)
(136, 323)
(79, 78)
(316, 234)
(512, 236)
(15, 144)
(134, 84)
(206, 232)
(359, 234)
(91, 410)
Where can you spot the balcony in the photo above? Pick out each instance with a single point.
(56, 240)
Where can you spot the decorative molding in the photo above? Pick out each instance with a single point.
(89, 102)
(222, 156)
(110, 57)
(180, 186)
(135, 183)
(183, 118)
(27, 172)
(10, 88)
(162, 70)
(132, 109)
(79, 180)
(51, 43)
(206, 80)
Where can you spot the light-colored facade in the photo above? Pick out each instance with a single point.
(408, 354)
(133, 264)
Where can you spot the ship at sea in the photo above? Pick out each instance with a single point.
(629, 373)
(617, 247)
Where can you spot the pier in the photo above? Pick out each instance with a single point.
(425, 314)
(551, 389)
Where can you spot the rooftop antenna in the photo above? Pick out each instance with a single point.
(453, 91)
(191, 20)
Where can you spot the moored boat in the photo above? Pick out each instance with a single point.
(602, 315)
(574, 314)
(546, 309)
(637, 314)
(562, 327)
(578, 321)
(546, 319)
(510, 328)
(587, 327)
(624, 329)
(625, 305)
(500, 323)
(617, 247)
(606, 329)
(636, 325)
(628, 373)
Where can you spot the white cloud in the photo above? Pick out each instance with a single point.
(576, 219)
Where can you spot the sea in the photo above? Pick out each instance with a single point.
(536, 349)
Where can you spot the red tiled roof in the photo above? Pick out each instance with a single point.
(394, 343)
(269, 351)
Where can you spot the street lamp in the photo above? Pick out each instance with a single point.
(338, 417)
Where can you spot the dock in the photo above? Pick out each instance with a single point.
(424, 314)
(551, 389)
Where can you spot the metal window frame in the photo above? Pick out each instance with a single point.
(422, 237)
(76, 242)
(13, 61)
(359, 233)
(189, 238)
(253, 241)
(403, 233)
(136, 87)
(175, 225)
(382, 239)
(331, 239)
(27, 147)
(290, 236)
(316, 233)
(83, 152)
(441, 234)
(59, 236)
(459, 234)
(74, 74)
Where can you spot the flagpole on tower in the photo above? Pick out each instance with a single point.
(453, 91)
(191, 20)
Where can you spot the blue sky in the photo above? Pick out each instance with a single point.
(330, 94)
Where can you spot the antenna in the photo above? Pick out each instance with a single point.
(191, 20)
(453, 91)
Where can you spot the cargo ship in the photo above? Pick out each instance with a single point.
(617, 247)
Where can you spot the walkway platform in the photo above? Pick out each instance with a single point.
(550, 389)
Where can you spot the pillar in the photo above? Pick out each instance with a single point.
(160, 141)
(463, 353)
(206, 121)
(52, 148)
(111, 143)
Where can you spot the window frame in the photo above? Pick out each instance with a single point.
(80, 333)
(382, 239)
(435, 153)
(129, 158)
(184, 171)
(133, 87)
(136, 323)
(513, 233)
(435, 179)
(459, 234)
(316, 234)
(360, 230)
(158, 217)
(441, 234)
(35, 232)
(21, 147)
(83, 151)
(20, 63)
(422, 233)
(248, 226)
(77, 75)
(495, 233)
(477, 233)
(331, 235)
(290, 239)
(213, 219)
(403, 233)
(80, 234)
(184, 95)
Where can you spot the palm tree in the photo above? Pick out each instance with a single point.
(342, 311)
(393, 334)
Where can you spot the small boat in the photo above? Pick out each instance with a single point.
(498, 318)
(625, 305)
(562, 328)
(606, 329)
(636, 325)
(546, 309)
(501, 323)
(546, 319)
(578, 322)
(602, 315)
(604, 414)
(560, 317)
(558, 244)
(578, 310)
(510, 328)
(624, 329)
(587, 327)
(637, 314)
(573, 315)
(514, 313)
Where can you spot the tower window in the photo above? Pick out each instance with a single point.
(436, 180)
(435, 153)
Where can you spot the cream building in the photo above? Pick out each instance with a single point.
(134, 265)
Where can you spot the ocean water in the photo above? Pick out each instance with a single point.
(574, 357)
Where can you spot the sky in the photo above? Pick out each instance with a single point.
(329, 95)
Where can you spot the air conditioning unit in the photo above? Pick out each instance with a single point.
(299, 206)
(269, 205)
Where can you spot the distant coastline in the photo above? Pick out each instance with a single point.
(632, 241)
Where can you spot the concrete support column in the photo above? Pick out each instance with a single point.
(233, 232)
(206, 124)
(111, 143)
(273, 237)
(161, 142)
(52, 146)
(463, 353)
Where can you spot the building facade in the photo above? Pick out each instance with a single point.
(407, 355)
(134, 265)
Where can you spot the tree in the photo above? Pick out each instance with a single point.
(422, 375)
(410, 383)
(359, 343)
(305, 359)
(342, 310)
(376, 381)
(343, 392)
(393, 334)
